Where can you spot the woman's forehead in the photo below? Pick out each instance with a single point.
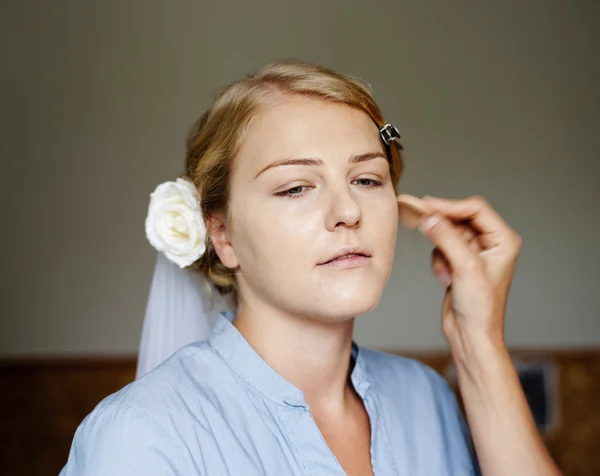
(306, 127)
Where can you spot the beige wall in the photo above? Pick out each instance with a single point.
(499, 98)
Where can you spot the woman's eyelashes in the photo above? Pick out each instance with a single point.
(369, 182)
(293, 192)
(301, 190)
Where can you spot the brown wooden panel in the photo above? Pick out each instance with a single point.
(42, 401)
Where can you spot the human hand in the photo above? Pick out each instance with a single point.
(475, 256)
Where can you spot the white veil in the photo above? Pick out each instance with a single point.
(180, 310)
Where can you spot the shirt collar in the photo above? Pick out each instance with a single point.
(235, 350)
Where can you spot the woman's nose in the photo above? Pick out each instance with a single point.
(344, 210)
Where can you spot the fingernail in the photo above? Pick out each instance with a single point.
(445, 278)
(429, 222)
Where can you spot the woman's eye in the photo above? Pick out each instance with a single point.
(293, 192)
(365, 182)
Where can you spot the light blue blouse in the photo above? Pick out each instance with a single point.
(217, 408)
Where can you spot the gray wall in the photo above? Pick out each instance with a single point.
(499, 98)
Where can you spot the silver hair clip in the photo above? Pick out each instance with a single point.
(389, 133)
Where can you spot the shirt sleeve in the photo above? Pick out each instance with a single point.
(119, 441)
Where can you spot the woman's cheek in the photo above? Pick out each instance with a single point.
(387, 222)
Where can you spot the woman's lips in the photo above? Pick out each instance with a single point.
(347, 262)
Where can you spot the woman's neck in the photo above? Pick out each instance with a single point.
(313, 356)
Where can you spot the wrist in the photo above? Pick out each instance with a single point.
(479, 354)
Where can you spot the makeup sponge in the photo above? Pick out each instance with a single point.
(412, 210)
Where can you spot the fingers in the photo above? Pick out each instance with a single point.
(481, 216)
(441, 267)
(470, 237)
(448, 239)
(439, 264)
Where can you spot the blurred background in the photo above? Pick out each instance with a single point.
(499, 98)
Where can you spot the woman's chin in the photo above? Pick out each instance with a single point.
(343, 307)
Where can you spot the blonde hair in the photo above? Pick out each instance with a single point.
(216, 136)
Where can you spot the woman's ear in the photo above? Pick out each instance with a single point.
(218, 231)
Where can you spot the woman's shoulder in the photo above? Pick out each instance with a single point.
(151, 412)
(187, 371)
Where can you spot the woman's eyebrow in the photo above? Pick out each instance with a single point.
(354, 159)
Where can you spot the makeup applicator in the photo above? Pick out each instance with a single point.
(412, 210)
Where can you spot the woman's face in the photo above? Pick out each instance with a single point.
(311, 181)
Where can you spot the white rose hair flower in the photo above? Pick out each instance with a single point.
(174, 225)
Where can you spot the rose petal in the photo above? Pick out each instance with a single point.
(175, 224)
(188, 192)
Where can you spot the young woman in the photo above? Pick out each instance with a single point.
(289, 203)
